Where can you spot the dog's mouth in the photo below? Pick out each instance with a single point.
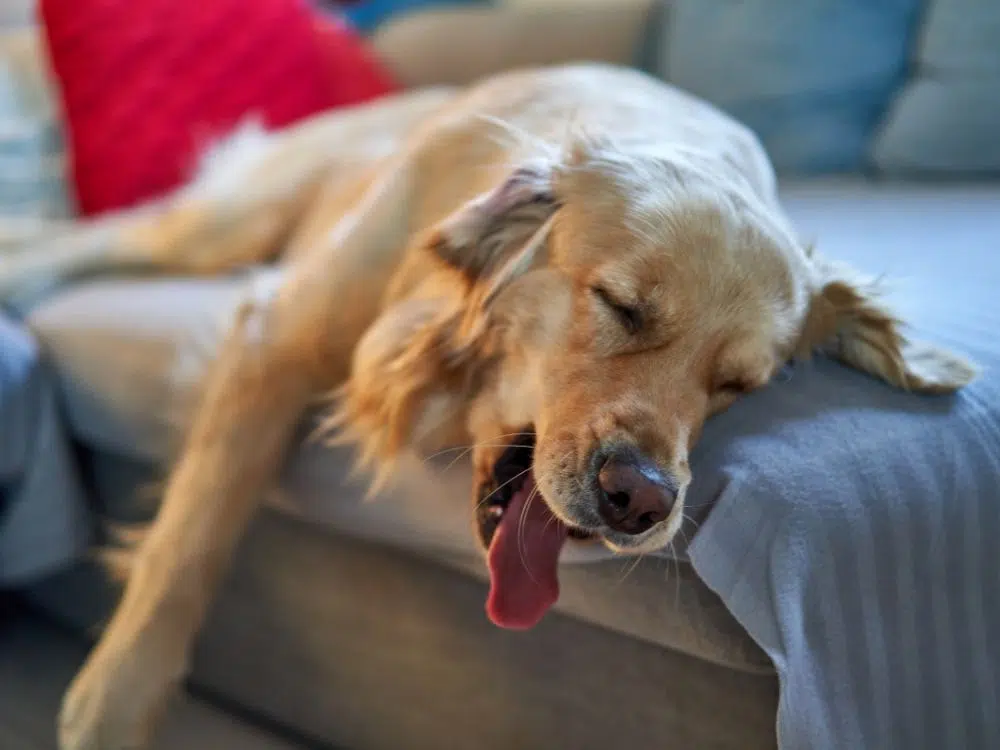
(523, 538)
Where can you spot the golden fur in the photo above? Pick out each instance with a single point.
(580, 249)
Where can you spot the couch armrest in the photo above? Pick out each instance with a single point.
(458, 46)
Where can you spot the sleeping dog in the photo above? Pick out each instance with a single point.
(569, 269)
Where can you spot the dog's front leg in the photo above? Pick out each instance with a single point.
(275, 362)
(240, 434)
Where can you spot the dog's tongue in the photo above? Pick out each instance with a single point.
(523, 559)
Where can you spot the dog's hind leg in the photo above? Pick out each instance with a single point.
(279, 357)
(212, 225)
(244, 203)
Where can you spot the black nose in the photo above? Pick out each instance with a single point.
(635, 496)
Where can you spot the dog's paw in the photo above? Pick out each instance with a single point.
(116, 700)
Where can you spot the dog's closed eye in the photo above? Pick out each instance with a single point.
(628, 315)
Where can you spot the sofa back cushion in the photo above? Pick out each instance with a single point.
(812, 77)
(946, 120)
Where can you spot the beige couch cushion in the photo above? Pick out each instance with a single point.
(461, 45)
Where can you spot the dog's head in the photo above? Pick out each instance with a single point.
(581, 322)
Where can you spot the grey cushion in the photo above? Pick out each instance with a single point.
(946, 119)
(130, 355)
(312, 638)
(365, 647)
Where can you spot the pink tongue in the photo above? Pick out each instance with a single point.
(522, 559)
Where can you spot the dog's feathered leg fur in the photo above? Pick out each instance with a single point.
(279, 357)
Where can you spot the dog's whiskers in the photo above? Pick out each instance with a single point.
(520, 531)
(630, 568)
(464, 450)
(467, 448)
(551, 520)
(495, 491)
(677, 574)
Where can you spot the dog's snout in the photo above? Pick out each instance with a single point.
(634, 495)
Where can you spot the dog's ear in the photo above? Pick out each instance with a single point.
(848, 320)
(484, 235)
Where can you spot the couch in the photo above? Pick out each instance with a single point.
(361, 625)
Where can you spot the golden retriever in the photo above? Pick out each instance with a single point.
(568, 268)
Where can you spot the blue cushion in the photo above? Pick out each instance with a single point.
(854, 527)
(938, 249)
(43, 524)
(812, 77)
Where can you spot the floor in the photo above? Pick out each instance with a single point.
(38, 659)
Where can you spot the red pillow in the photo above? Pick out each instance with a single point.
(147, 84)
